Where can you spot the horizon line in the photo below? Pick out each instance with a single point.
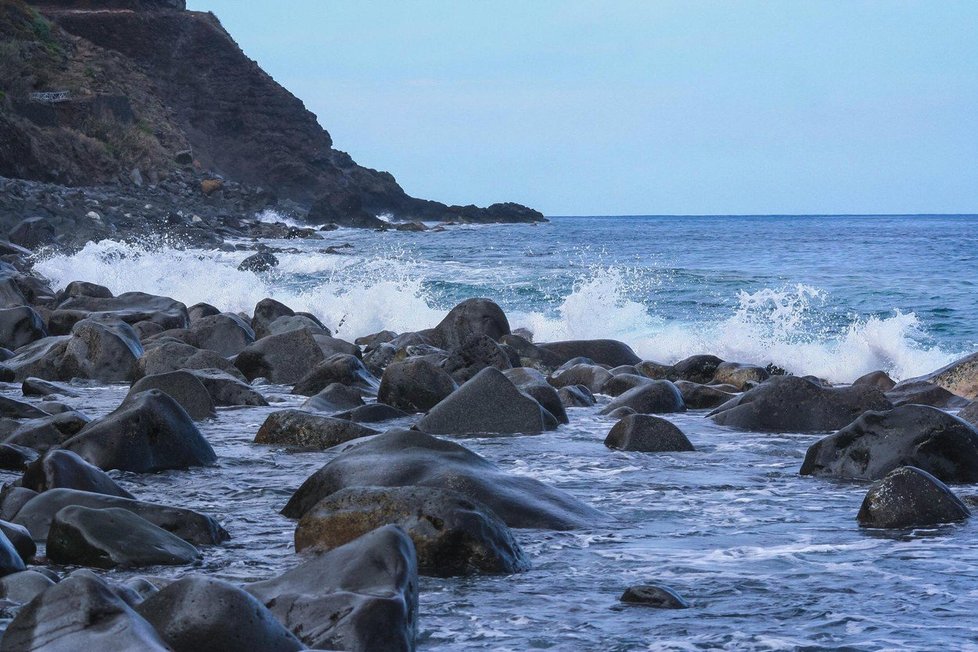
(772, 215)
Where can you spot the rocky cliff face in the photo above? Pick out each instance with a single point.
(180, 82)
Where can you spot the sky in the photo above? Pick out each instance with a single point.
(588, 107)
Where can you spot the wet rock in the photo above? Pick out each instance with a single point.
(340, 368)
(259, 262)
(14, 409)
(37, 513)
(24, 586)
(343, 208)
(452, 534)
(131, 307)
(741, 376)
(533, 383)
(47, 432)
(923, 393)
(201, 614)
(879, 379)
(170, 355)
(702, 397)
(38, 387)
(792, 404)
(183, 387)
(267, 311)
(696, 369)
(80, 613)
(198, 311)
(335, 398)
(10, 559)
(650, 595)
(15, 458)
(970, 413)
(657, 397)
(960, 377)
(64, 469)
(487, 404)
(475, 354)
(910, 435)
(103, 349)
(576, 396)
(41, 359)
(607, 352)
(588, 375)
(296, 322)
(20, 326)
(84, 289)
(12, 498)
(283, 358)
(909, 497)
(410, 458)
(302, 429)
(415, 385)
(21, 540)
(225, 334)
(647, 434)
(149, 432)
(472, 317)
(33, 233)
(111, 537)
(621, 383)
(373, 413)
(227, 390)
(362, 596)
(531, 355)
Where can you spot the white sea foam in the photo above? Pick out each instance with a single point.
(356, 296)
(270, 216)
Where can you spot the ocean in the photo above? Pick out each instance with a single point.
(768, 559)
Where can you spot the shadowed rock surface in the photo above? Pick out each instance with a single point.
(910, 497)
(648, 434)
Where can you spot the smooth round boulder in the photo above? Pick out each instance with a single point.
(282, 359)
(24, 586)
(198, 311)
(39, 387)
(164, 356)
(113, 537)
(399, 458)
(227, 390)
(335, 397)
(20, 537)
(266, 311)
(149, 432)
(15, 458)
(657, 397)
(471, 317)
(414, 385)
(183, 387)
(922, 392)
(651, 595)
(311, 431)
(879, 379)
(10, 559)
(588, 375)
(373, 413)
(131, 307)
(225, 334)
(475, 354)
(64, 469)
(20, 326)
(696, 369)
(452, 534)
(341, 368)
(702, 397)
(534, 384)
(792, 404)
(741, 376)
(14, 409)
(618, 384)
(607, 352)
(910, 435)
(648, 434)
(575, 396)
(203, 614)
(258, 262)
(910, 497)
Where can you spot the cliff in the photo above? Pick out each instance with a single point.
(152, 87)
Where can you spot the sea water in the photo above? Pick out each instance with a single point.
(768, 559)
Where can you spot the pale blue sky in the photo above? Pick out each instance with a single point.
(599, 107)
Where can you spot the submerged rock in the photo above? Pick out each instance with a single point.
(400, 458)
(910, 435)
(648, 434)
(452, 534)
(909, 497)
(650, 595)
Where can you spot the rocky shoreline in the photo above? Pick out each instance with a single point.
(393, 503)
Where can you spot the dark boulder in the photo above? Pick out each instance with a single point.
(741, 376)
(41, 359)
(111, 537)
(530, 355)
(12, 498)
(131, 307)
(14, 409)
(533, 383)
(343, 208)
(84, 289)
(259, 262)
(373, 413)
(104, 349)
(621, 383)
(400, 458)
(702, 397)
(22, 587)
(20, 326)
(452, 534)
(910, 435)
(909, 497)
(362, 596)
(198, 311)
(657, 597)
(225, 334)
(80, 613)
(487, 404)
(149, 432)
(657, 397)
(341, 368)
(696, 369)
(922, 392)
(202, 614)
(64, 469)
(33, 233)
(471, 317)
(21, 539)
(10, 559)
(576, 396)
(47, 432)
(39, 510)
(14, 457)
(415, 385)
(305, 430)
(164, 356)
(267, 311)
(297, 322)
(792, 404)
(587, 375)
(38, 387)
(227, 390)
(183, 387)
(475, 354)
(608, 352)
(647, 434)
(335, 398)
(284, 358)
(878, 379)
(970, 413)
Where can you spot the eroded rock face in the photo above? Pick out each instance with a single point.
(910, 435)
(452, 534)
(909, 497)
(646, 433)
(302, 429)
(362, 596)
(149, 432)
(415, 385)
(792, 404)
(401, 458)
(80, 613)
(198, 613)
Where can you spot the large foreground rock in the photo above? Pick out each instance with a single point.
(908, 497)
(302, 429)
(792, 404)
(38, 512)
(960, 377)
(487, 404)
(106, 538)
(402, 458)
(103, 349)
(361, 597)
(415, 385)
(910, 435)
(148, 432)
(183, 387)
(202, 614)
(648, 434)
(452, 534)
(80, 613)
(656, 397)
